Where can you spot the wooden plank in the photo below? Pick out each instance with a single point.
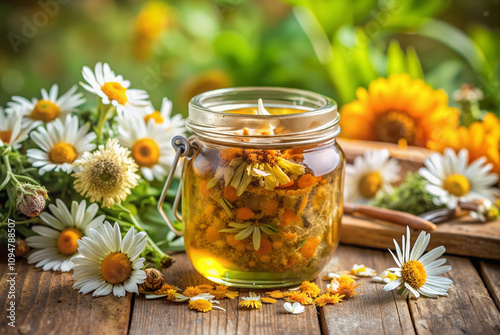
(156, 316)
(468, 309)
(46, 303)
(491, 276)
(482, 239)
(375, 311)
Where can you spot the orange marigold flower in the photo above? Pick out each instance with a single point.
(398, 108)
(277, 294)
(310, 288)
(201, 305)
(326, 298)
(171, 294)
(343, 286)
(165, 288)
(300, 297)
(191, 291)
(269, 300)
(205, 288)
(232, 294)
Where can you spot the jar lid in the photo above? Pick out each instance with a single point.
(209, 118)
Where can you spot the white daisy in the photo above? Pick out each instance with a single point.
(113, 89)
(107, 264)
(60, 145)
(451, 179)
(296, 308)
(385, 277)
(12, 131)
(49, 108)
(57, 244)
(150, 145)
(418, 274)
(370, 174)
(174, 124)
(362, 271)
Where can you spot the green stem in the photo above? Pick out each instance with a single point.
(103, 111)
(10, 174)
(3, 224)
(31, 180)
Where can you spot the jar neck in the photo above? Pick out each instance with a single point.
(209, 118)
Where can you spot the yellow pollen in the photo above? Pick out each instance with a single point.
(115, 91)
(62, 153)
(393, 126)
(66, 242)
(146, 152)
(5, 136)
(155, 116)
(370, 184)
(413, 273)
(45, 111)
(457, 185)
(116, 268)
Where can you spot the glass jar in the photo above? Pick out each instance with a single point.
(261, 194)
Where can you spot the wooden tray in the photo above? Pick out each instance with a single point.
(460, 236)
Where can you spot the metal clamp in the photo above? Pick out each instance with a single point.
(182, 149)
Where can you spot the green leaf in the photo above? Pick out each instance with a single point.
(244, 233)
(395, 59)
(256, 238)
(230, 230)
(413, 64)
(240, 225)
(268, 229)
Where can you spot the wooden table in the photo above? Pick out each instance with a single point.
(46, 303)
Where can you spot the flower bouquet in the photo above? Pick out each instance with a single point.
(94, 164)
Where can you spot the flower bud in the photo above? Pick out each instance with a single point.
(30, 199)
(154, 280)
(21, 248)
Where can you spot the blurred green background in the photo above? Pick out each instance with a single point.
(181, 48)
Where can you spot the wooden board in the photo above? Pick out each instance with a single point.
(491, 276)
(46, 303)
(460, 237)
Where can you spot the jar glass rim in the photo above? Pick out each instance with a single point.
(209, 119)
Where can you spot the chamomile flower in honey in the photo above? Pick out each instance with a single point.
(109, 264)
(12, 130)
(296, 308)
(61, 144)
(398, 109)
(172, 124)
(113, 89)
(418, 273)
(49, 108)
(370, 174)
(150, 145)
(252, 301)
(106, 175)
(57, 244)
(451, 179)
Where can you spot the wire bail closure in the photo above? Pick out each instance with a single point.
(182, 149)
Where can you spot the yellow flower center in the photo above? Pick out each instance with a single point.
(5, 136)
(393, 126)
(116, 268)
(62, 153)
(413, 272)
(66, 242)
(155, 116)
(146, 152)
(45, 111)
(115, 91)
(201, 305)
(370, 184)
(457, 185)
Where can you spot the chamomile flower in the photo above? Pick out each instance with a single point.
(12, 131)
(61, 144)
(150, 145)
(385, 277)
(113, 89)
(362, 271)
(296, 308)
(418, 273)
(174, 125)
(106, 175)
(109, 264)
(451, 178)
(49, 108)
(370, 174)
(252, 301)
(57, 244)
